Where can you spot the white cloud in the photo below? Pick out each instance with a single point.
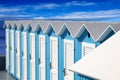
(109, 15)
(78, 3)
(8, 9)
(96, 15)
(15, 15)
(39, 17)
(35, 7)
(54, 5)
(28, 7)
(46, 6)
(21, 11)
(91, 15)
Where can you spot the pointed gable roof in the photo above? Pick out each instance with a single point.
(96, 29)
(74, 28)
(6, 24)
(18, 24)
(12, 24)
(45, 26)
(115, 26)
(103, 62)
(58, 27)
(34, 25)
(25, 24)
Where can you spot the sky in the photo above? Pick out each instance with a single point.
(84, 10)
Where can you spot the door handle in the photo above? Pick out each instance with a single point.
(16, 50)
(50, 65)
(39, 61)
(64, 71)
(30, 56)
(22, 53)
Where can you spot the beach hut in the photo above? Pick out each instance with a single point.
(12, 49)
(7, 33)
(34, 54)
(25, 50)
(18, 50)
(49, 48)
(43, 51)
(103, 62)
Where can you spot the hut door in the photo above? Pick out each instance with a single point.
(18, 54)
(7, 49)
(53, 58)
(42, 53)
(12, 50)
(87, 48)
(24, 56)
(68, 59)
(32, 57)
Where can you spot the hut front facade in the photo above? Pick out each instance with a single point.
(46, 49)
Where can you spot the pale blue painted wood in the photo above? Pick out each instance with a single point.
(47, 58)
(50, 34)
(21, 30)
(14, 54)
(21, 54)
(37, 54)
(9, 50)
(78, 49)
(65, 35)
(39, 32)
(28, 54)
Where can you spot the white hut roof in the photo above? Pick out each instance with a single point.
(25, 24)
(18, 24)
(103, 62)
(98, 30)
(6, 24)
(34, 25)
(74, 27)
(44, 26)
(116, 27)
(58, 27)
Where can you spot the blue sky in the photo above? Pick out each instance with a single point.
(85, 10)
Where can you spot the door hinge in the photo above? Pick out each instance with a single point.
(39, 61)
(22, 53)
(30, 56)
(16, 50)
(50, 65)
(64, 71)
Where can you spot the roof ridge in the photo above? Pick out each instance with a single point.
(74, 27)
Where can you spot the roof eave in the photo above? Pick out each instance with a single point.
(105, 33)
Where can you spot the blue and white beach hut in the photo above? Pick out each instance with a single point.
(49, 48)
